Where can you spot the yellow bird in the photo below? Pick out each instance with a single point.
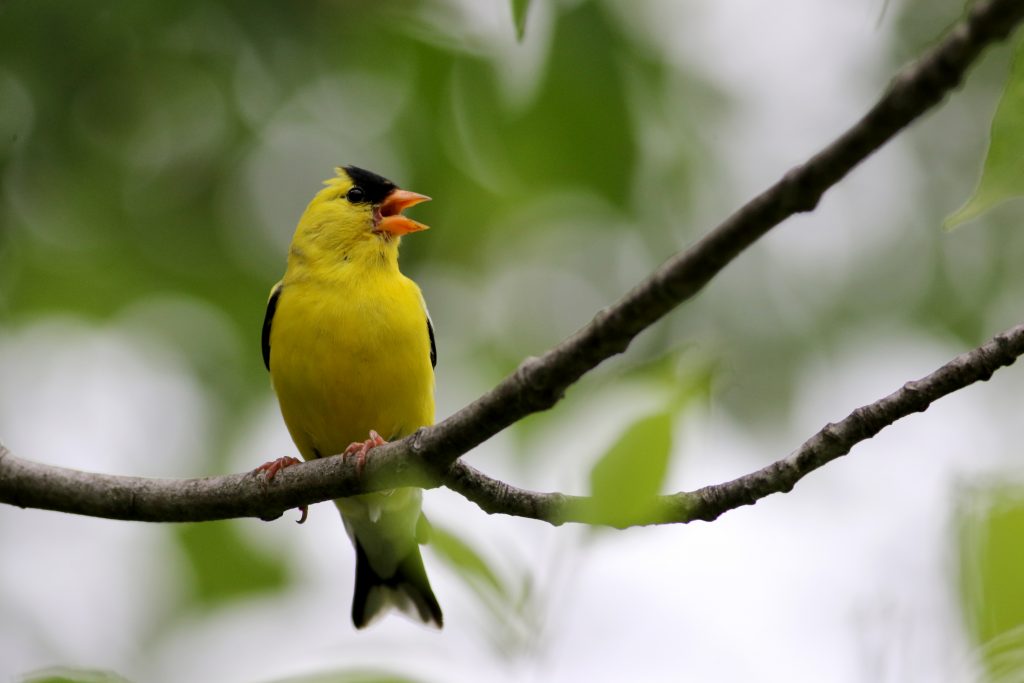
(350, 349)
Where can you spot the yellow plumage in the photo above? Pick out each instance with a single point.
(349, 347)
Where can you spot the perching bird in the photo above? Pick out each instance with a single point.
(350, 349)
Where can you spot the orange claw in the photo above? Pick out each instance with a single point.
(271, 469)
(274, 466)
(361, 448)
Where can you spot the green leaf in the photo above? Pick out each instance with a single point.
(1002, 177)
(520, 8)
(464, 559)
(992, 564)
(630, 474)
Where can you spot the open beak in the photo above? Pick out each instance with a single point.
(389, 214)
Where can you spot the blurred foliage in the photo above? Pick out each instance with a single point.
(1003, 175)
(513, 624)
(224, 566)
(520, 8)
(142, 157)
(991, 524)
(353, 677)
(466, 561)
(65, 675)
(68, 675)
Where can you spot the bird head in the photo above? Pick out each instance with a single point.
(357, 214)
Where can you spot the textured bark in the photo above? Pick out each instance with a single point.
(832, 441)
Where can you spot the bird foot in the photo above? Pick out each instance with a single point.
(270, 470)
(361, 448)
(272, 467)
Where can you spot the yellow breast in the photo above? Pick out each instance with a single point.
(351, 353)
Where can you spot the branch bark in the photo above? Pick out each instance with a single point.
(430, 455)
(834, 440)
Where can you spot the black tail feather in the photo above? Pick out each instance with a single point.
(407, 590)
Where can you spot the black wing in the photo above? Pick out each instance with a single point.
(268, 320)
(433, 345)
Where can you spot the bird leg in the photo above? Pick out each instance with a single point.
(361, 448)
(271, 468)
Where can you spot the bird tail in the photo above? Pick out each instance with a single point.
(407, 590)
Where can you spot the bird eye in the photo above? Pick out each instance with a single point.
(355, 195)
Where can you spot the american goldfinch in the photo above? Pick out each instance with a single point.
(350, 349)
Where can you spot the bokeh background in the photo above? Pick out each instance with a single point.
(154, 158)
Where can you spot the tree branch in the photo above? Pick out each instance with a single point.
(832, 441)
(539, 383)
(30, 484)
(424, 458)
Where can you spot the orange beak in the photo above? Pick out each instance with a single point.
(389, 214)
